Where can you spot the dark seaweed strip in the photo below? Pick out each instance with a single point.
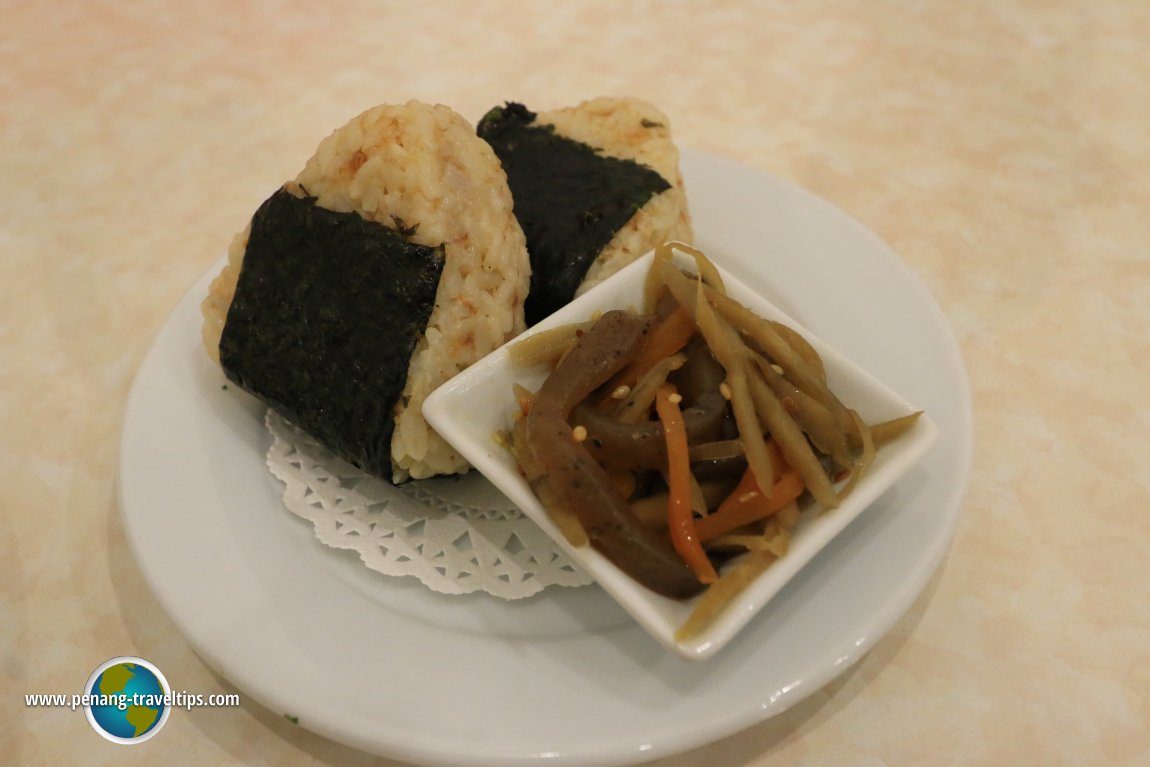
(569, 200)
(327, 311)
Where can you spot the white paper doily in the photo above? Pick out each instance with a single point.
(457, 534)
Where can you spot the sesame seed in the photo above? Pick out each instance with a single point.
(777, 368)
(749, 496)
(579, 433)
(621, 392)
(676, 398)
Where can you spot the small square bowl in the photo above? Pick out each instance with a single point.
(473, 406)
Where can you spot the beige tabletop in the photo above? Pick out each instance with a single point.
(1000, 147)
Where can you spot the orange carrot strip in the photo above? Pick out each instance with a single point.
(668, 337)
(680, 520)
(748, 504)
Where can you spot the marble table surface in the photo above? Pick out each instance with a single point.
(999, 147)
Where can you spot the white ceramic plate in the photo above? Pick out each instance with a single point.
(470, 408)
(388, 666)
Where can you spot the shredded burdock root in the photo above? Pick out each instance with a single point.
(685, 443)
(547, 345)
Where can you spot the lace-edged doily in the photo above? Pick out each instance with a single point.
(457, 535)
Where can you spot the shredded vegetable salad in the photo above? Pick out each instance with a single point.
(684, 443)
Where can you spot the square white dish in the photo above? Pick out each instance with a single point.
(471, 408)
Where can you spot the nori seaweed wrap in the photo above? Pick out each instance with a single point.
(327, 312)
(584, 193)
(392, 262)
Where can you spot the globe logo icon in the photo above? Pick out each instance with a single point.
(130, 700)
